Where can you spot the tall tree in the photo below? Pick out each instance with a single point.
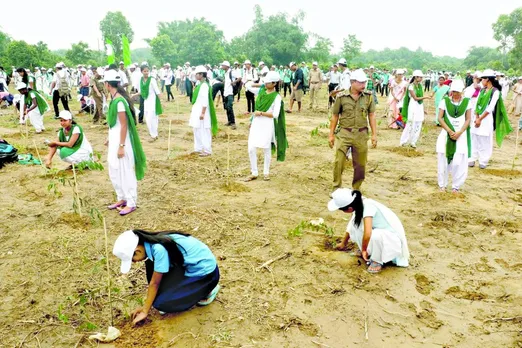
(79, 53)
(320, 51)
(113, 26)
(4, 41)
(351, 47)
(21, 54)
(508, 32)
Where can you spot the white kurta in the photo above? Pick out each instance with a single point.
(35, 117)
(486, 126)
(262, 132)
(415, 109)
(84, 153)
(122, 170)
(201, 128)
(149, 108)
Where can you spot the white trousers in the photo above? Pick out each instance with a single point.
(459, 171)
(152, 121)
(123, 178)
(482, 148)
(252, 153)
(384, 246)
(202, 140)
(411, 133)
(36, 120)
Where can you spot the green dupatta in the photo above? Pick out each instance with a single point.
(63, 138)
(502, 126)
(140, 161)
(144, 92)
(212, 109)
(263, 102)
(40, 101)
(419, 92)
(455, 111)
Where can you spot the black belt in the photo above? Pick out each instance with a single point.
(360, 129)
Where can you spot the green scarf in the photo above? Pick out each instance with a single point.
(67, 151)
(454, 112)
(263, 102)
(140, 161)
(503, 127)
(419, 92)
(212, 109)
(483, 101)
(144, 91)
(40, 101)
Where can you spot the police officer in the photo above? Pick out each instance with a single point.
(352, 110)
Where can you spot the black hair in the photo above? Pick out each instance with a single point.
(125, 95)
(25, 78)
(113, 67)
(175, 256)
(204, 74)
(357, 206)
(144, 66)
(412, 79)
(495, 83)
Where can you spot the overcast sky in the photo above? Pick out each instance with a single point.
(444, 27)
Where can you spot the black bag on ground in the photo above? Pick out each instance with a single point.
(8, 153)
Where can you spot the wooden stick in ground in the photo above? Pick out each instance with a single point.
(228, 158)
(269, 262)
(516, 148)
(108, 269)
(38, 153)
(77, 194)
(170, 132)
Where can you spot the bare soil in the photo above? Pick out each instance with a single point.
(463, 288)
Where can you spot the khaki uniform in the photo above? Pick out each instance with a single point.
(353, 133)
(98, 100)
(315, 86)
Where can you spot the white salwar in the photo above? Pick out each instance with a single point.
(412, 130)
(84, 153)
(122, 170)
(149, 108)
(262, 135)
(35, 117)
(482, 137)
(201, 128)
(388, 240)
(458, 167)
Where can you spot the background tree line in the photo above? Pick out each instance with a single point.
(276, 39)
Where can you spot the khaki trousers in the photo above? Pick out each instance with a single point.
(358, 142)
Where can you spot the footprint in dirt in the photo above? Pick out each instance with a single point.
(424, 285)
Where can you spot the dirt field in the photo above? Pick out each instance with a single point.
(463, 288)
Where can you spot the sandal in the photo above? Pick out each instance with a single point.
(127, 211)
(266, 178)
(117, 205)
(211, 297)
(251, 178)
(204, 154)
(374, 267)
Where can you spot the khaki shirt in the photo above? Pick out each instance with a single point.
(100, 85)
(352, 113)
(315, 76)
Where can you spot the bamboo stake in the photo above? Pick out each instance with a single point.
(38, 153)
(516, 148)
(108, 269)
(168, 146)
(77, 194)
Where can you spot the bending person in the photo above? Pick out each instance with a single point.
(375, 229)
(72, 144)
(181, 270)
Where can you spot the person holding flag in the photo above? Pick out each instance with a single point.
(203, 118)
(149, 92)
(490, 115)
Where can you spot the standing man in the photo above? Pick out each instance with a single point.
(297, 88)
(228, 95)
(427, 82)
(85, 82)
(344, 80)
(351, 112)
(469, 78)
(314, 81)
(60, 89)
(306, 76)
(98, 92)
(249, 76)
(334, 77)
(237, 74)
(287, 80)
(385, 83)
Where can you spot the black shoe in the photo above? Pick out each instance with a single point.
(56, 117)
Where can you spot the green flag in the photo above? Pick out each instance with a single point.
(110, 51)
(126, 51)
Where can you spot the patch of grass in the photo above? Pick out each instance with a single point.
(234, 187)
(510, 173)
(405, 151)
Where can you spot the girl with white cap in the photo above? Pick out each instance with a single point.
(454, 142)
(375, 229)
(268, 128)
(125, 157)
(72, 144)
(35, 106)
(181, 270)
(149, 91)
(489, 115)
(398, 89)
(413, 110)
(203, 115)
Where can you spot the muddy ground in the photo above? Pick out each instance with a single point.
(463, 288)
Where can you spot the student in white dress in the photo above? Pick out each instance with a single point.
(34, 106)
(148, 89)
(413, 111)
(376, 230)
(72, 144)
(454, 141)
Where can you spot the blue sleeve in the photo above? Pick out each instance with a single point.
(161, 258)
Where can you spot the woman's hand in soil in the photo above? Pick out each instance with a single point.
(341, 246)
(138, 315)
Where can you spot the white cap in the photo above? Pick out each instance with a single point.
(167, 64)
(477, 74)
(124, 248)
(358, 75)
(100, 71)
(201, 69)
(341, 198)
(520, 77)
(144, 63)
(248, 62)
(111, 75)
(457, 86)
(272, 76)
(488, 73)
(59, 65)
(261, 63)
(236, 63)
(314, 63)
(65, 115)
(291, 64)
(265, 70)
(342, 61)
(418, 73)
(226, 63)
(372, 67)
(399, 72)
(187, 63)
(83, 69)
(20, 86)
(121, 62)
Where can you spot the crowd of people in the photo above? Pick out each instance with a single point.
(181, 270)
